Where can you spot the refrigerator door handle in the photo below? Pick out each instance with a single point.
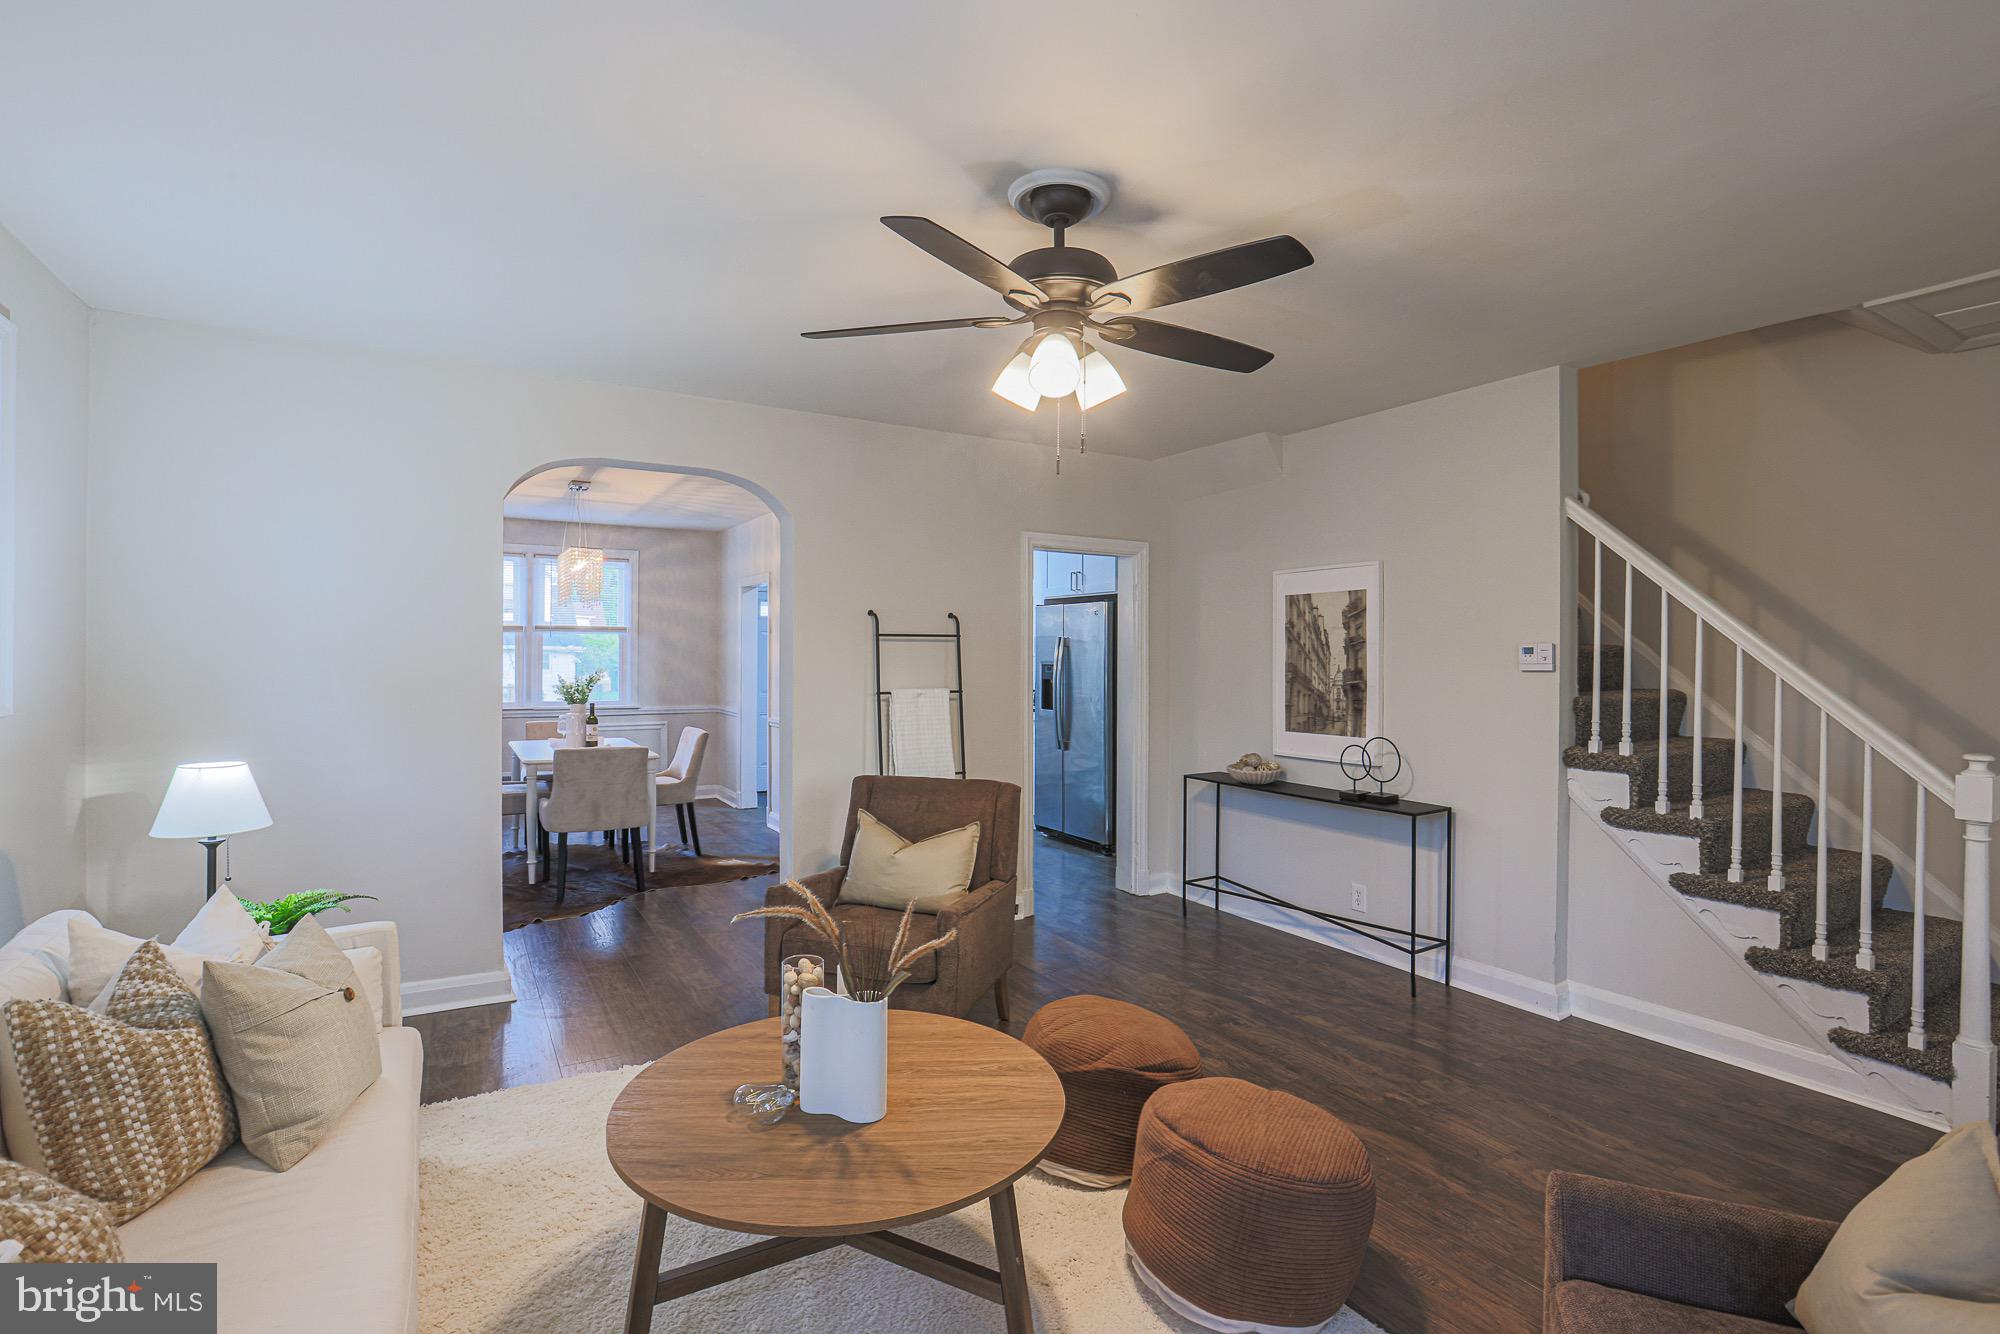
(1062, 692)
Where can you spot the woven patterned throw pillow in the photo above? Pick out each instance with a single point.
(52, 1223)
(130, 1103)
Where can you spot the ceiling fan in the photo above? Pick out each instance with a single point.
(1069, 294)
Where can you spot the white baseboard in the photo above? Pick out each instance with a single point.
(458, 993)
(716, 792)
(1741, 1047)
(1481, 979)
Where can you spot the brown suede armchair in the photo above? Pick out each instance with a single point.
(1627, 1259)
(954, 979)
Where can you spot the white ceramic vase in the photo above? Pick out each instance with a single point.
(844, 1056)
(578, 714)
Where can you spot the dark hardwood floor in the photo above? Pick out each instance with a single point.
(1465, 1104)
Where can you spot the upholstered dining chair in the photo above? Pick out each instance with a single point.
(956, 978)
(514, 792)
(599, 787)
(677, 783)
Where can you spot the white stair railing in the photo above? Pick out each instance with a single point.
(1971, 794)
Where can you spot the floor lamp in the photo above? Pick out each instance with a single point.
(208, 802)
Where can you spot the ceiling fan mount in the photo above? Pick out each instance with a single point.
(1075, 292)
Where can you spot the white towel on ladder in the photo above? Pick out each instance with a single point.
(920, 734)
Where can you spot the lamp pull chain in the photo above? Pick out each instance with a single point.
(227, 874)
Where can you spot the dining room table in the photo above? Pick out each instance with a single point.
(539, 757)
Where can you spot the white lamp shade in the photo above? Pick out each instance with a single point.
(1100, 380)
(1013, 384)
(1053, 369)
(219, 797)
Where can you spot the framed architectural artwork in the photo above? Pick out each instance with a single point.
(1326, 659)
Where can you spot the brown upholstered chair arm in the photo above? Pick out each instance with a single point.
(984, 950)
(825, 884)
(1736, 1258)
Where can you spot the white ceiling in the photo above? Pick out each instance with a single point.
(666, 194)
(639, 497)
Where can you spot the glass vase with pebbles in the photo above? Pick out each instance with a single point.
(800, 971)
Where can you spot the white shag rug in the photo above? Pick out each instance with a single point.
(525, 1229)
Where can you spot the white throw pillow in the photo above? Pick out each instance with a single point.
(221, 932)
(224, 929)
(886, 870)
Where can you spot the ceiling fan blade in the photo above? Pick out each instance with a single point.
(979, 322)
(967, 258)
(1204, 275)
(1182, 344)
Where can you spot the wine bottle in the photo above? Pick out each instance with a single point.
(590, 726)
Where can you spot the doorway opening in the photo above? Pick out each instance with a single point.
(753, 693)
(1083, 790)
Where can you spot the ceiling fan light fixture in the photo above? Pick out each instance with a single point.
(1013, 384)
(1054, 368)
(1099, 380)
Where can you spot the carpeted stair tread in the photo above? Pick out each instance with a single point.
(1713, 828)
(1940, 1031)
(1797, 902)
(1642, 766)
(1887, 985)
(1645, 714)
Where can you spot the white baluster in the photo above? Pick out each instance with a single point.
(1972, 1088)
(1864, 958)
(1775, 882)
(1736, 787)
(1918, 1039)
(1694, 799)
(1625, 724)
(1596, 645)
(1660, 804)
(1819, 890)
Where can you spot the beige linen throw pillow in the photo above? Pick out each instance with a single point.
(128, 1104)
(886, 870)
(297, 1041)
(1919, 1255)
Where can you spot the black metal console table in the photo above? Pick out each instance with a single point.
(1413, 811)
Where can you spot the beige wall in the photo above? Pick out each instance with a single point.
(678, 654)
(376, 762)
(1458, 498)
(1837, 492)
(41, 741)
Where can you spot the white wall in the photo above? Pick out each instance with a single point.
(41, 741)
(1458, 497)
(375, 759)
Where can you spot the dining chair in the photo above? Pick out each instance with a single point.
(599, 787)
(677, 784)
(514, 792)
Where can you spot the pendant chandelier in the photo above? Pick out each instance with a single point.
(580, 568)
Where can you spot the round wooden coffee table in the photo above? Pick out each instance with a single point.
(970, 1110)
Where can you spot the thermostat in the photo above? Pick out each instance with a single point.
(1538, 657)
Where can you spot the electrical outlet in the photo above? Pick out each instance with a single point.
(1360, 897)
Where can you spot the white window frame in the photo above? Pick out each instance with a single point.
(529, 655)
(9, 511)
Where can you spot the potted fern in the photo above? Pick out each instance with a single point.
(281, 915)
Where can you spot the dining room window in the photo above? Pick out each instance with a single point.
(543, 639)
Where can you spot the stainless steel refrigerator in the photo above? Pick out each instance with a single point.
(1076, 663)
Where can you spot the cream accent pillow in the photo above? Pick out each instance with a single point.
(124, 1105)
(43, 1221)
(222, 930)
(296, 1040)
(886, 870)
(1919, 1255)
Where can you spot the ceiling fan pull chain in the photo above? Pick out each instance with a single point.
(1058, 437)
(1082, 388)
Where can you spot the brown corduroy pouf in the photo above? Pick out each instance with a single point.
(1250, 1204)
(1111, 1057)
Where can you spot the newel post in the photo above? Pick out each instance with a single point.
(1972, 1089)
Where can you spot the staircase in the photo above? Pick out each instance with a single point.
(1880, 986)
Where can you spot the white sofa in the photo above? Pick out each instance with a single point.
(330, 1245)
